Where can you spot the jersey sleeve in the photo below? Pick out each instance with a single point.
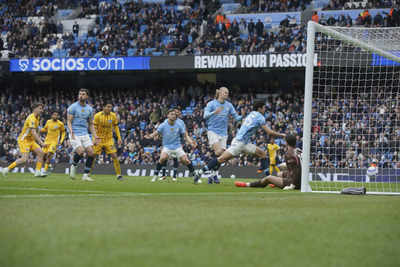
(45, 128)
(62, 130)
(31, 122)
(261, 120)
(209, 110)
(71, 110)
(160, 128)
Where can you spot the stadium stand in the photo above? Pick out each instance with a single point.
(141, 110)
(93, 28)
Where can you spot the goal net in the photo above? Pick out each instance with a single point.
(351, 135)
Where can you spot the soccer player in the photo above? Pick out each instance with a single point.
(217, 114)
(80, 119)
(272, 149)
(29, 140)
(104, 123)
(241, 142)
(171, 132)
(289, 179)
(55, 135)
(176, 160)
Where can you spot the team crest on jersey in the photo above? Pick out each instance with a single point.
(172, 129)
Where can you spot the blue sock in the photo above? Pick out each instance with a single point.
(213, 165)
(264, 163)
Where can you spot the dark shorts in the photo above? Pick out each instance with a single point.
(291, 179)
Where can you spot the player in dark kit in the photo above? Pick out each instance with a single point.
(288, 179)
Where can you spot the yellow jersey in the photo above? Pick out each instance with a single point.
(272, 148)
(54, 130)
(104, 125)
(31, 122)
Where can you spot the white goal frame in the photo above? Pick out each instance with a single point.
(312, 29)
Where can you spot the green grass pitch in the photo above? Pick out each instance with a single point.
(55, 221)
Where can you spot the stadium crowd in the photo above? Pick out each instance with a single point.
(352, 145)
(133, 28)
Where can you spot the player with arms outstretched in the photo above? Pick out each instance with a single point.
(55, 135)
(80, 119)
(216, 114)
(241, 142)
(289, 179)
(29, 140)
(104, 123)
(171, 132)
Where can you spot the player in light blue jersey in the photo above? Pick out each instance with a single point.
(241, 142)
(216, 114)
(79, 122)
(171, 132)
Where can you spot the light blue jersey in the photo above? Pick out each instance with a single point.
(82, 115)
(171, 134)
(218, 123)
(250, 125)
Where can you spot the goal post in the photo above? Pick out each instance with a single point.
(351, 109)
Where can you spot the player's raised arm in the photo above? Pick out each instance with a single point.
(271, 132)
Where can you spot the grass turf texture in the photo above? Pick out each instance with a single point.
(59, 222)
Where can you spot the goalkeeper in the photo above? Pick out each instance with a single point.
(288, 179)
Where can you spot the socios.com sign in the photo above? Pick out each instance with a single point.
(80, 64)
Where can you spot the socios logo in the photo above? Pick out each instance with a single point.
(80, 64)
(23, 64)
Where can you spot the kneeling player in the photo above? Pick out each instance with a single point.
(288, 179)
(171, 132)
(54, 129)
(104, 123)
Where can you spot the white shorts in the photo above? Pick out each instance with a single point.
(214, 138)
(83, 140)
(174, 153)
(238, 147)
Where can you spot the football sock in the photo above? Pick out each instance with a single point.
(88, 165)
(164, 168)
(39, 165)
(46, 167)
(176, 163)
(117, 167)
(158, 168)
(76, 159)
(264, 163)
(212, 165)
(12, 166)
(257, 184)
(191, 168)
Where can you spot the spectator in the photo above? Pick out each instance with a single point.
(75, 29)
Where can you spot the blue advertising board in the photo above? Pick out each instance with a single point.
(79, 64)
(378, 60)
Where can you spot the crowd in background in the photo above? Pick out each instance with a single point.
(135, 28)
(370, 133)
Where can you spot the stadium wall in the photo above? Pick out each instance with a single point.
(202, 62)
